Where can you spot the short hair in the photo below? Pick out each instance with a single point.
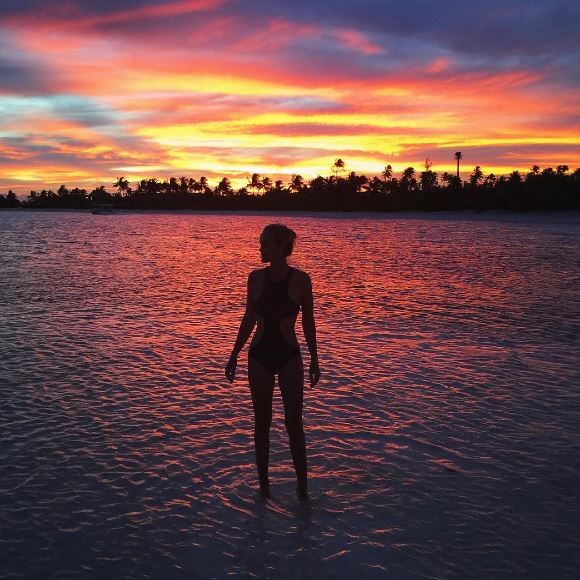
(283, 235)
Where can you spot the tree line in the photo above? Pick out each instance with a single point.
(538, 189)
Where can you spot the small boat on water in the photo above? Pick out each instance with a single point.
(102, 208)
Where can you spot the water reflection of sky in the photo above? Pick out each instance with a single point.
(442, 438)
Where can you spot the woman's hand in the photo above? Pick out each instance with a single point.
(231, 368)
(314, 372)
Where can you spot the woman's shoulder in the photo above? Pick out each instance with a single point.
(302, 276)
(256, 274)
(301, 273)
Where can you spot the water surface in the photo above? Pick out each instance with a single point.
(443, 438)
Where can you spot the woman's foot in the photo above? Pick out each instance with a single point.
(302, 490)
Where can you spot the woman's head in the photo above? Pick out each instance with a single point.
(276, 242)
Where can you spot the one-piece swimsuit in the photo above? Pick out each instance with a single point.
(274, 305)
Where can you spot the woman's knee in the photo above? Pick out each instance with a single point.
(293, 422)
(262, 422)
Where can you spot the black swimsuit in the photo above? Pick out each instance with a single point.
(274, 304)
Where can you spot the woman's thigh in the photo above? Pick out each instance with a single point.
(261, 382)
(291, 381)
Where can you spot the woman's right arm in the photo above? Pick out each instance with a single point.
(248, 321)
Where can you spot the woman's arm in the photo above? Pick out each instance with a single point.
(308, 324)
(247, 324)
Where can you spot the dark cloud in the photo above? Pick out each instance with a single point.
(478, 35)
(19, 78)
(479, 27)
(41, 8)
(19, 73)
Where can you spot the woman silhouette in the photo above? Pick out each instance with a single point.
(274, 297)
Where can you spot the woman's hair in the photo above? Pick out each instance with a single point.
(283, 235)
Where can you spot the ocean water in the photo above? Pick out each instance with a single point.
(443, 438)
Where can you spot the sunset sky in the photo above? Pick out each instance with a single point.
(91, 91)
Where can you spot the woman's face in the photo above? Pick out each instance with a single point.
(269, 249)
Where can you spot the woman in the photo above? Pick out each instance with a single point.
(274, 297)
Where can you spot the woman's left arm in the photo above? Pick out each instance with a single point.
(309, 328)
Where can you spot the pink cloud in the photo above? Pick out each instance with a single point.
(357, 41)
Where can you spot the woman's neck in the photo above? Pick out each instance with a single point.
(278, 268)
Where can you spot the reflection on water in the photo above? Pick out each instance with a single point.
(443, 439)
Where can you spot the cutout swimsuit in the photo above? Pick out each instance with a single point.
(274, 304)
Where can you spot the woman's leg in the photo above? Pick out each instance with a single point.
(262, 388)
(291, 381)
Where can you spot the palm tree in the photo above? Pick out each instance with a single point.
(255, 183)
(224, 187)
(447, 178)
(490, 180)
(196, 185)
(408, 180)
(428, 178)
(297, 183)
(266, 184)
(387, 173)
(476, 176)
(183, 184)
(458, 156)
(515, 177)
(152, 186)
(337, 166)
(122, 184)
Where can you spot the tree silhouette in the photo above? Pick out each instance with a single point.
(337, 166)
(255, 182)
(458, 156)
(122, 185)
(548, 189)
(266, 184)
(224, 187)
(387, 173)
(297, 183)
(476, 176)
(447, 178)
(490, 180)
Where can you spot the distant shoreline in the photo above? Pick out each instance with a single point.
(411, 214)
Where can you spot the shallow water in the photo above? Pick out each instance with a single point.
(443, 438)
